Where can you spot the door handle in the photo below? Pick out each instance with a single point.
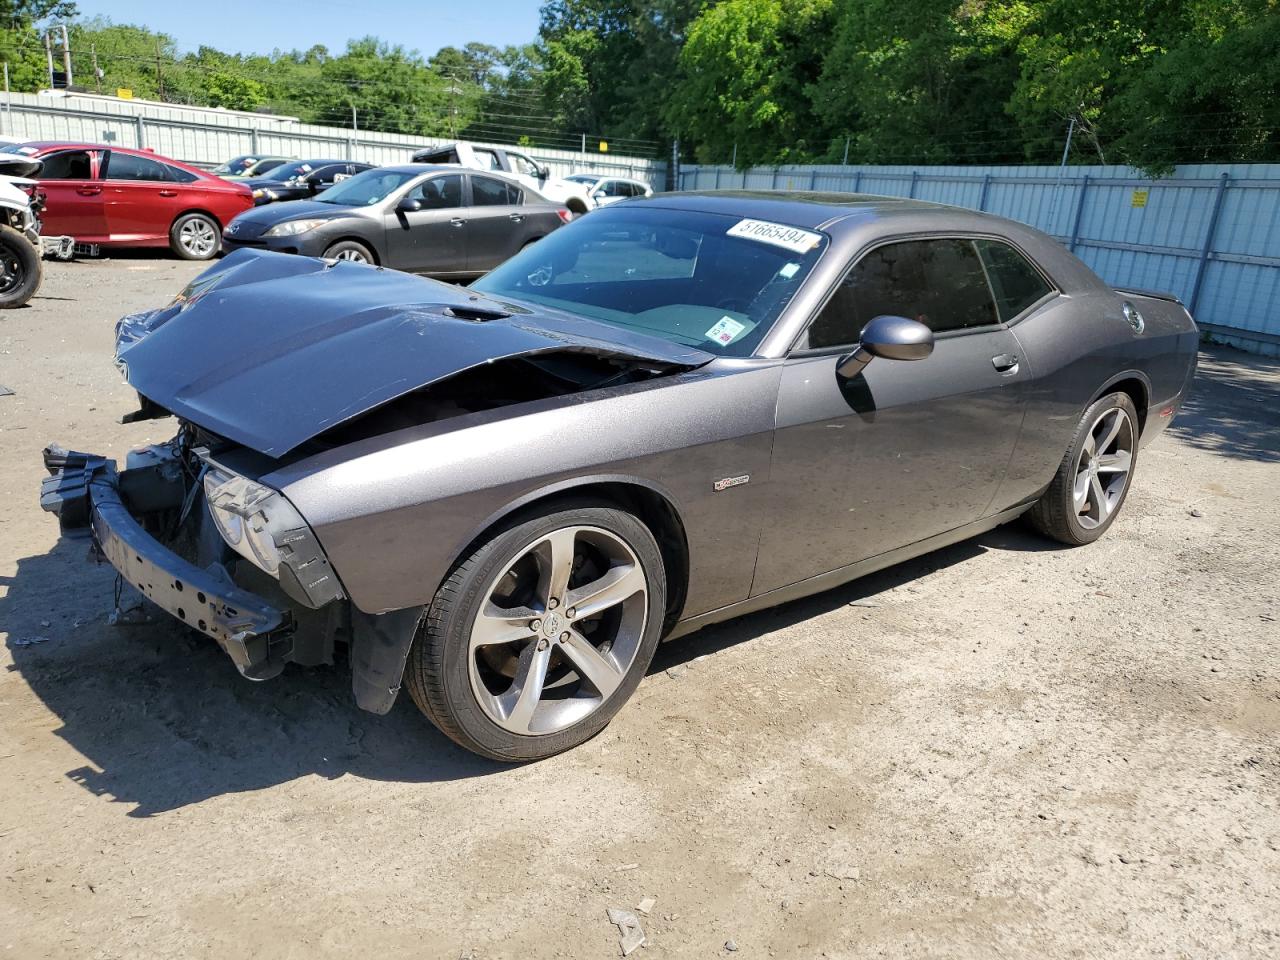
(457, 221)
(516, 217)
(1005, 363)
(168, 193)
(88, 191)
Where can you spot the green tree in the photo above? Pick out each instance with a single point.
(746, 68)
(21, 42)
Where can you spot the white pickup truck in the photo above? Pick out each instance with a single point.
(515, 164)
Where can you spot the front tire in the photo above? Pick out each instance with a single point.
(21, 269)
(1094, 477)
(541, 635)
(349, 250)
(195, 236)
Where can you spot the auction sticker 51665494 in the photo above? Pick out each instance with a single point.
(778, 234)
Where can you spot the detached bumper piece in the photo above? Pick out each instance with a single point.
(83, 490)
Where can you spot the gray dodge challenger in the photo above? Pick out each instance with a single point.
(674, 411)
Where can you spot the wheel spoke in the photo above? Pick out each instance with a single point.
(618, 584)
(502, 625)
(519, 703)
(1102, 506)
(1080, 495)
(557, 564)
(1112, 430)
(1117, 462)
(596, 668)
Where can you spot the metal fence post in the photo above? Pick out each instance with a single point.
(1207, 248)
(915, 175)
(1075, 228)
(253, 140)
(857, 181)
(813, 178)
(717, 186)
(141, 132)
(982, 197)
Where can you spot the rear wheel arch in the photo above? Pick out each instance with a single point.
(203, 212)
(1136, 386)
(576, 205)
(655, 508)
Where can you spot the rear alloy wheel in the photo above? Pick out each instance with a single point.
(194, 236)
(20, 268)
(1094, 477)
(350, 251)
(541, 635)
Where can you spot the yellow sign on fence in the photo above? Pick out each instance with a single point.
(1139, 198)
(604, 147)
(124, 93)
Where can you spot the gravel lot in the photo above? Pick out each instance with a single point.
(1002, 749)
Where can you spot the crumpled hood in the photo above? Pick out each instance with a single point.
(270, 350)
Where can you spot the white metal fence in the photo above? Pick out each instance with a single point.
(207, 136)
(1209, 233)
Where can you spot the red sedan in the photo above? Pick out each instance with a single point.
(117, 197)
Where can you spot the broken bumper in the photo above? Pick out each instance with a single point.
(83, 491)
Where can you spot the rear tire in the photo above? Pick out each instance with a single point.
(21, 269)
(195, 236)
(350, 250)
(541, 635)
(1094, 477)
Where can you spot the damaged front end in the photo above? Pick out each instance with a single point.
(212, 547)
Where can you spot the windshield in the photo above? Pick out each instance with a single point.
(296, 169)
(235, 165)
(703, 280)
(262, 166)
(366, 189)
(583, 178)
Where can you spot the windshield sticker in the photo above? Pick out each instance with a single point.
(790, 238)
(725, 331)
(789, 271)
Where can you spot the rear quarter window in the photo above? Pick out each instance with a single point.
(1015, 281)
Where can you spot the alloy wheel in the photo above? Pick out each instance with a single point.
(1102, 472)
(197, 237)
(558, 630)
(351, 254)
(11, 272)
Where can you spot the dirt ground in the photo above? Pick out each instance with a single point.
(1002, 749)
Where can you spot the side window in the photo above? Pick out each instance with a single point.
(487, 159)
(524, 165)
(487, 192)
(123, 166)
(618, 189)
(439, 193)
(72, 165)
(938, 282)
(1015, 282)
(332, 173)
(176, 175)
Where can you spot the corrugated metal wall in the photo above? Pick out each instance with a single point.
(207, 136)
(1209, 233)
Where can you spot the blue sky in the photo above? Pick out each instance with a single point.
(259, 26)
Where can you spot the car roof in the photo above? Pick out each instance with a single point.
(816, 210)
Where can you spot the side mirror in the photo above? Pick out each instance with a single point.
(893, 338)
(408, 205)
(544, 173)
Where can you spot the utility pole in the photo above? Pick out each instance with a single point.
(845, 161)
(1071, 128)
(97, 74)
(66, 54)
(48, 56)
(8, 102)
(159, 74)
(355, 126)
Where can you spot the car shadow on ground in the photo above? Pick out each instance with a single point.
(163, 719)
(1233, 408)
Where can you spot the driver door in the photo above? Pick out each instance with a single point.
(432, 240)
(905, 450)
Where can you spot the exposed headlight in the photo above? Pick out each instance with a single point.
(264, 192)
(245, 512)
(291, 228)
